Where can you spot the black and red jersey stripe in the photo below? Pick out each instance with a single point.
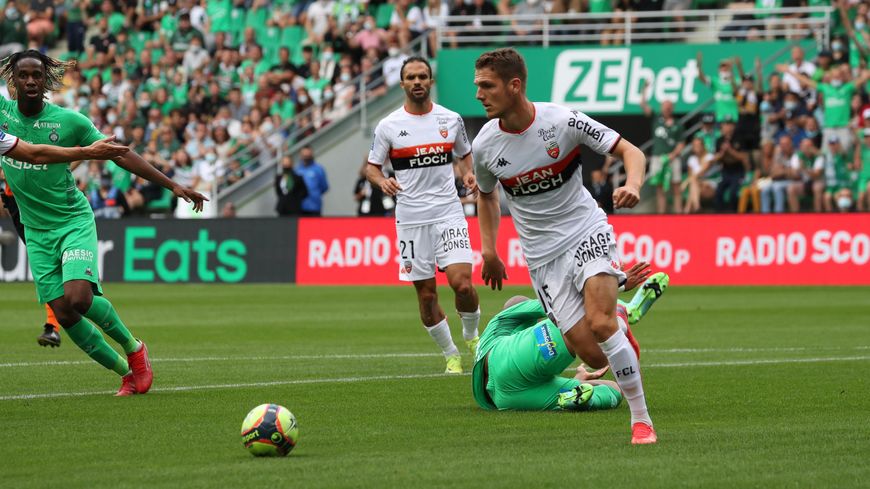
(545, 178)
(421, 156)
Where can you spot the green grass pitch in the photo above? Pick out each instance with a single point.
(749, 387)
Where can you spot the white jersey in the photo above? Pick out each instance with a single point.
(421, 148)
(7, 143)
(539, 171)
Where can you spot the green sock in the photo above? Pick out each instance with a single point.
(103, 314)
(86, 336)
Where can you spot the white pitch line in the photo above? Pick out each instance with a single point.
(728, 363)
(52, 395)
(232, 359)
(185, 388)
(353, 356)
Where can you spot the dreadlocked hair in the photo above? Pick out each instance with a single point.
(54, 70)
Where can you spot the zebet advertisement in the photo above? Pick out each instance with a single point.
(182, 251)
(606, 80)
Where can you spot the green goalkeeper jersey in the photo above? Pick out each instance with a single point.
(47, 194)
(517, 317)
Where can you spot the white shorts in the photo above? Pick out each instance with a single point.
(441, 244)
(559, 283)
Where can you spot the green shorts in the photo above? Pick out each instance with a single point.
(59, 255)
(524, 371)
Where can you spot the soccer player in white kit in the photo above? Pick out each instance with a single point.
(533, 150)
(421, 139)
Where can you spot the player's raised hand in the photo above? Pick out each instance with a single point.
(494, 272)
(190, 195)
(635, 275)
(470, 182)
(105, 149)
(626, 197)
(390, 186)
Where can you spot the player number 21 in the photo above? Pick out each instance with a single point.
(403, 245)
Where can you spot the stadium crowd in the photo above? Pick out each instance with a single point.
(797, 140)
(205, 90)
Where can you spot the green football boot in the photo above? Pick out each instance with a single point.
(576, 399)
(454, 364)
(646, 295)
(472, 346)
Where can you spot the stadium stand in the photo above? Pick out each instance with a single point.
(211, 91)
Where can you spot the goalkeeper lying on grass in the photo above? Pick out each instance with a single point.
(521, 355)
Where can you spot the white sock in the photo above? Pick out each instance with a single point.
(626, 369)
(441, 334)
(470, 320)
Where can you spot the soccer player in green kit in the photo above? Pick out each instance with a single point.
(59, 222)
(521, 355)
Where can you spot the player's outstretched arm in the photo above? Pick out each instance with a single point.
(43, 153)
(635, 166)
(489, 213)
(133, 163)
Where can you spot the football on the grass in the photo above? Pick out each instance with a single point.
(270, 430)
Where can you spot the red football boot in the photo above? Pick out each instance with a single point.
(128, 386)
(141, 367)
(643, 434)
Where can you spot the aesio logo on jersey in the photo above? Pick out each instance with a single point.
(604, 80)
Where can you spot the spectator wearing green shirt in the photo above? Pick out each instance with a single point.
(13, 30)
(838, 178)
(807, 172)
(836, 95)
(723, 87)
(181, 38)
(666, 163)
(862, 165)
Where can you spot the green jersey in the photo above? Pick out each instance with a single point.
(517, 317)
(709, 139)
(47, 194)
(725, 104)
(837, 175)
(837, 103)
(665, 137)
(865, 159)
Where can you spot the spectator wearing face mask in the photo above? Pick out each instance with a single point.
(393, 64)
(838, 178)
(836, 101)
(723, 87)
(798, 65)
(315, 181)
(290, 189)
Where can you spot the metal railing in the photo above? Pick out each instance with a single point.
(711, 25)
(303, 127)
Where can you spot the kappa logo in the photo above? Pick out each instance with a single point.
(88, 272)
(553, 149)
(502, 163)
(403, 133)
